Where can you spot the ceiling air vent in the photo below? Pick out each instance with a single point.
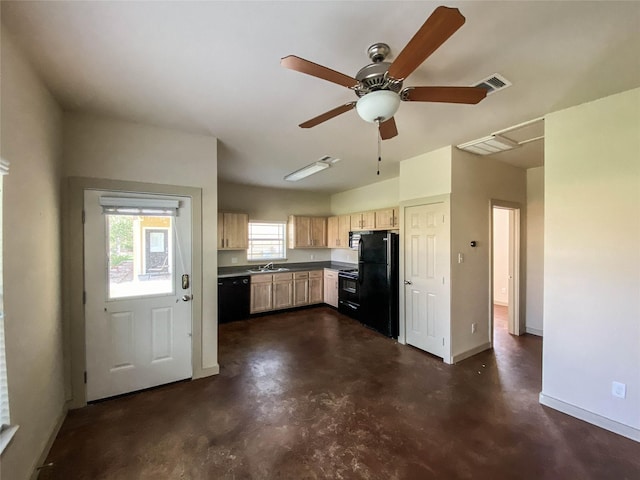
(493, 83)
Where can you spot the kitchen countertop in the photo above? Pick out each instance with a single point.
(241, 270)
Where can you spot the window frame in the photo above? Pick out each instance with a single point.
(280, 238)
(7, 431)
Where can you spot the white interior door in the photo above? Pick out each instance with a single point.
(426, 277)
(137, 309)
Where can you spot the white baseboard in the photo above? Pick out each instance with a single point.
(470, 353)
(590, 417)
(49, 444)
(534, 331)
(206, 372)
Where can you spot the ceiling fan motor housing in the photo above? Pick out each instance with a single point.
(373, 77)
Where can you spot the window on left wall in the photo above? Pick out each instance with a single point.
(6, 429)
(267, 241)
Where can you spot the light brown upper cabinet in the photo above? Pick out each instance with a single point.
(338, 231)
(307, 232)
(233, 231)
(363, 221)
(387, 219)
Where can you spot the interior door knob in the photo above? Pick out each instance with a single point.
(408, 282)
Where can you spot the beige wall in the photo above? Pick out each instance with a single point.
(535, 249)
(272, 204)
(30, 137)
(377, 195)
(592, 261)
(426, 175)
(112, 149)
(476, 181)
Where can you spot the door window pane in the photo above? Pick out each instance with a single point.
(140, 255)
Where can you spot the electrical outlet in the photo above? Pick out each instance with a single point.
(234, 259)
(618, 389)
(503, 290)
(313, 257)
(474, 327)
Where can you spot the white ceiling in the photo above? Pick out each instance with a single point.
(213, 67)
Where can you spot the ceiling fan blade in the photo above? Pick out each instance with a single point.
(305, 66)
(442, 23)
(470, 95)
(328, 115)
(388, 129)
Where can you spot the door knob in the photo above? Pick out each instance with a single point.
(408, 282)
(185, 298)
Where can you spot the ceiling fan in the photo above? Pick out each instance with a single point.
(379, 84)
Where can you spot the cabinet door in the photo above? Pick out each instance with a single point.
(344, 227)
(368, 220)
(282, 294)
(300, 231)
(318, 231)
(356, 221)
(261, 294)
(236, 231)
(316, 293)
(384, 218)
(331, 288)
(396, 218)
(300, 288)
(333, 232)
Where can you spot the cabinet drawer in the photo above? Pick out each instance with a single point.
(300, 275)
(315, 274)
(281, 277)
(261, 278)
(330, 273)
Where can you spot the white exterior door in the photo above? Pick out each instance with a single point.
(427, 278)
(137, 308)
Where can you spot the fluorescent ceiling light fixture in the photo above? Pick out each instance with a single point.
(379, 105)
(489, 145)
(304, 172)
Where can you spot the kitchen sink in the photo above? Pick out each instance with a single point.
(258, 270)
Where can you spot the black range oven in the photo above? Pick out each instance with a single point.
(348, 297)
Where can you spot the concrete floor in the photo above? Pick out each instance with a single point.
(313, 394)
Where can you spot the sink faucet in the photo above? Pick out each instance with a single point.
(268, 266)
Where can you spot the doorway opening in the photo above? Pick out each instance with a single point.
(505, 270)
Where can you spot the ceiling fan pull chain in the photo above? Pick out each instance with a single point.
(379, 145)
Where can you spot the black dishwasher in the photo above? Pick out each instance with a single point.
(234, 295)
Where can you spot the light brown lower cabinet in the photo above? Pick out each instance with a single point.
(300, 289)
(261, 293)
(280, 291)
(331, 287)
(316, 292)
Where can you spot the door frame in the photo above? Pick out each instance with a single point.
(73, 274)
(415, 202)
(515, 267)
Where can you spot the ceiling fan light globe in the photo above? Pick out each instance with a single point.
(379, 105)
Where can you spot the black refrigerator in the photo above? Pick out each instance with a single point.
(378, 281)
